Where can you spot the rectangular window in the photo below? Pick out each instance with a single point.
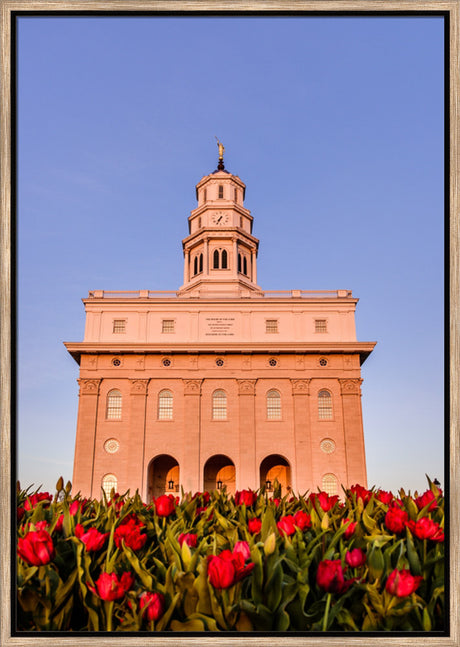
(167, 325)
(320, 325)
(235, 194)
(119, 325)
(271, 325)
(221, 191)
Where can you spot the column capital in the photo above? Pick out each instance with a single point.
(246, 387)
(300, 387)
(192, 387)
(351, 387)
(89, 387)
(139, 387)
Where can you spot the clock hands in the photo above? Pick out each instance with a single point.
(219, 219)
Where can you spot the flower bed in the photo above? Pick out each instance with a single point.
(212, 562)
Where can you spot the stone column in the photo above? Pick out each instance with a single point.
(206, 254)
(186, 266)
(254, 265)
(83, 469)
(191, 476)
(302, 436)
(353, 431)
(247, 475)
(235, 257)
(135, 475)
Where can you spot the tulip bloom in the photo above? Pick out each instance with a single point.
(243, 548)
(361, 492)
(351, 528)
(246, 497)
(165, 505)
(425, 498)
(111, 587)
(153, 605)
(221, 570)
(385, 497)
(130, 533)
(402, 583)
(92, 538)
(426, 528)
(254, 526)
(286, 525)
(330, 576)
(325, 501)
(189, 538)
(36, 548)
(302, 520)
(395, 519)
(355, 557)
(35, 499)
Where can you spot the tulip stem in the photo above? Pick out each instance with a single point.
(326, 612)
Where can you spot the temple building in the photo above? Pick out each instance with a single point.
(220, 383)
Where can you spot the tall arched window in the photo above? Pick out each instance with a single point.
(195, 265)
(273, 405)
(324, 405)
(329, 484)
(109, 483)
(201, 262)
(165, 405)
(113, 405)
(221, 191)
(215, 259)
(224, 259)
(245, 265)
(239, 262)
(219, 405)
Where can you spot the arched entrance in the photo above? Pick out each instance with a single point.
(275, 467)
(219, 472)
(163, 476)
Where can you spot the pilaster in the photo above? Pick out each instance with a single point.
(83, 474)
(353, 431)
(136, 439)
(192, 470)
(247, 476)
(302, 435)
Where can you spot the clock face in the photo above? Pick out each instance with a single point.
(220, 219)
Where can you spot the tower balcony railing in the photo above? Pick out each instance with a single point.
(268, 294)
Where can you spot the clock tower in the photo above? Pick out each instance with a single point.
(220, 251)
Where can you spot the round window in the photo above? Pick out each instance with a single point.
(166, 362)
(323, 362)
(273, 361)
(220, 361)
(111, 446)
(116, 361)
(327, 446)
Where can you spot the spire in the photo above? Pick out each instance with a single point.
(220, 165)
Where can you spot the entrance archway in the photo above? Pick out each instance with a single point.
(276, 467)
(219, 472)
(163, 476)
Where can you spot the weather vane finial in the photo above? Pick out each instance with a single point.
(220, 165)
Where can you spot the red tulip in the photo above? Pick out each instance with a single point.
(153, 605)
(395, 519)
(246, 497)
(36, 548)
(355, 557)
(254, 525)
(330, 576)
(425, 499)
(165, 505)
(402, 583)
(221, 570)
(325, 501)
(189, 538)
(361, 492)
(286, 525)
(242, 547)
(241, 569)
(426, 528)
(130, 533)
(92, 538)
(302, 520)
(35, 499)
(111, 587)
(351, 528)
(385, 497)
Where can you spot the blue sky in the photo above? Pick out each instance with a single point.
(335, 124)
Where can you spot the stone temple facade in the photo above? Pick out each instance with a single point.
(220, 384)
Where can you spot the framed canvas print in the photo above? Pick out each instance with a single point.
(229, 323)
